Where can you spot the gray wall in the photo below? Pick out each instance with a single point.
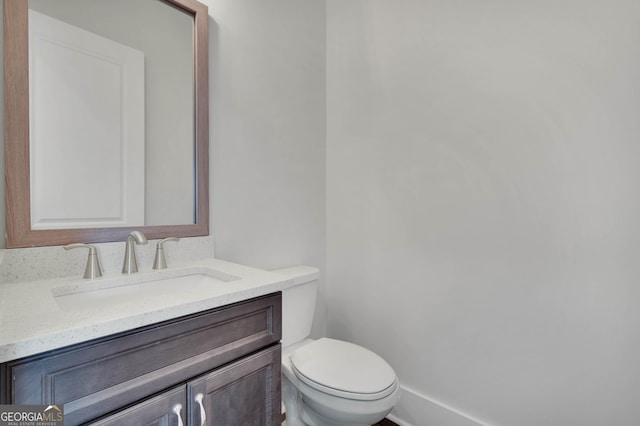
(483, 203)
(268, 133)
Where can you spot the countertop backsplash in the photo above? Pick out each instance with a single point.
(36, 263)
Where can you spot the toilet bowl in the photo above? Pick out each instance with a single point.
(328, 382)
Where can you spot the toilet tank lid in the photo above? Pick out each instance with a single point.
(343, 366)
(299, 274)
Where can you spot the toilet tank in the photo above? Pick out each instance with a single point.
(298, 303)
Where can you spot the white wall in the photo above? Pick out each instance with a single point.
(268, 133)
(483, 203)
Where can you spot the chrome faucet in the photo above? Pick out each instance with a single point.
(130, 264)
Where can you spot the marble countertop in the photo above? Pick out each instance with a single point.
(33, 318)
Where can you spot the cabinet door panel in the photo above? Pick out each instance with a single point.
(166, 409)
(245, 393)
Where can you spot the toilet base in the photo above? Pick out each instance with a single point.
(306, 406)
(299, 413)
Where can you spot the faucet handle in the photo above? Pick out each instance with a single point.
(160, 261)
(92, 270)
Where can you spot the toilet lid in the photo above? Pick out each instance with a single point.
(343, 369)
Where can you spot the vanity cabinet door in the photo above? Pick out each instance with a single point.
(166, 409)
(246, 392)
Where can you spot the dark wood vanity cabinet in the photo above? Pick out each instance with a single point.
(242, 393)
(218, 367)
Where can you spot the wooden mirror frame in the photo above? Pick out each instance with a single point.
(16, 131)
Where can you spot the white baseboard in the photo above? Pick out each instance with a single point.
(415, 409)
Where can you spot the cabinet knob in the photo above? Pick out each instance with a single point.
(203, 415)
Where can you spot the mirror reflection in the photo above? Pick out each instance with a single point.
(111, 117)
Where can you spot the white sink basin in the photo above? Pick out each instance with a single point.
(109, 292)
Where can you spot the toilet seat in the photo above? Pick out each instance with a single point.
(344, 370)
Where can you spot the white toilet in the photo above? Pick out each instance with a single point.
(328, 382)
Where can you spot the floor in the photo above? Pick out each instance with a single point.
(386, 422)
(383, 422)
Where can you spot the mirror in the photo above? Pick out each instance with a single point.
(159, 164)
